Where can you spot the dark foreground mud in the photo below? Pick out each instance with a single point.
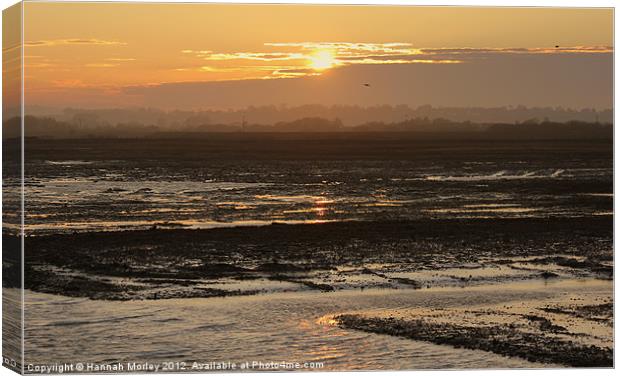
(157, 264)
(509, 340)
(596, 312)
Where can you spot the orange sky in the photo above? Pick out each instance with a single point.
(97, 54)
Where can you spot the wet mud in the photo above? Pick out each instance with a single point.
(509, 340)
(159, 264)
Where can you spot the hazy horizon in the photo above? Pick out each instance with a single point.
(425, 121)
(350, 115)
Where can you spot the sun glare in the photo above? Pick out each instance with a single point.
(322, 59)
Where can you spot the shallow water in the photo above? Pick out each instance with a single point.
(291, 327)
(96, 195)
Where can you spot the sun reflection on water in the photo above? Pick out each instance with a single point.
(328, 320)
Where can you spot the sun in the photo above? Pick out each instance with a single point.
(321, 60)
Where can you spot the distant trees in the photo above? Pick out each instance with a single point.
(37, 127)
(350, 115)
(83, 127)
(46, 127)
(309, 124)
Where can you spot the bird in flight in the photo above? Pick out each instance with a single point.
(557, 46)
(367, 85)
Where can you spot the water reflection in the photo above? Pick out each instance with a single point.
(131, 194)
(275, 327)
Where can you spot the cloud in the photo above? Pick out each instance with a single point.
(257, 56)
(289, 60)
(39, 65)
(70, 83)
(101, 65)
(403, 60)
(529, 51)
(297, 55)
(65, 42)
(293, 73)
(398, 48)
(392, 47)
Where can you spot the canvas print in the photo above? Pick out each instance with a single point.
(232, 187)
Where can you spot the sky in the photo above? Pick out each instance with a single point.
(199, 56)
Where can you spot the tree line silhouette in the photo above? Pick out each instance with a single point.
(47, 127)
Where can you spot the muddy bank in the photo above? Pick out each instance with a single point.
(506, 340)
(570, 322)
(597, 312)
(155, 264)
